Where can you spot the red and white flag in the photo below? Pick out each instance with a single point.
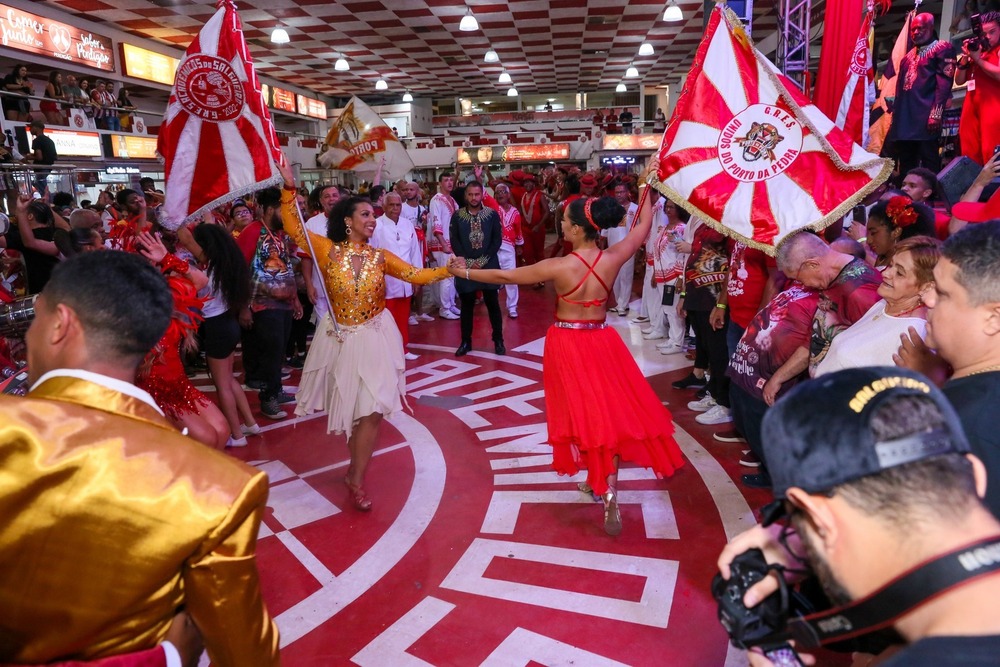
(751, 155)
(859, 93)
(217, 139)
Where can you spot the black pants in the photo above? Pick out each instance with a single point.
(714, 343)
(913, 154)
(267, 339)
(748, 415)
(300, 328)
(468, 302)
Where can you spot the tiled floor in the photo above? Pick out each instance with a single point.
(476, 553)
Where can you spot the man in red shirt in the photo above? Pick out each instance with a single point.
(534, 214)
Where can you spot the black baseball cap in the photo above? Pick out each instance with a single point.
(819, 435)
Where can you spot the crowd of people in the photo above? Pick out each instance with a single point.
(104, 101)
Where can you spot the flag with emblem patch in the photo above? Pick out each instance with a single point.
(361, 141)
(217, 140)
(749, 153)
(859, 93)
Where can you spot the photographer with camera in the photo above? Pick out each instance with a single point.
(873, 473)
(979, 68)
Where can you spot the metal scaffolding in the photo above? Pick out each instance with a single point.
(793, 39)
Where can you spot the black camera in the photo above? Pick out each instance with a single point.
(748, 627)
(978, 41)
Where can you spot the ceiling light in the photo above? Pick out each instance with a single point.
(551, 99)
(646, 49)
(469, 22)
(491, 57)
(381, 84)
(673, 12)
(407, 97)
(631, 72)
(341, 65)
(620, 88)
(487, 102)
(279, 36)
(504, 77)
(512, 92)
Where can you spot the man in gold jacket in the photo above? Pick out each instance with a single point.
(111, 520)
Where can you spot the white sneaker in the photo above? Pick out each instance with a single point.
(409, 356)
(425, 317)
(654, 335)
(639, 320)
(703, 405)
(670, 349)
(236, 442)
(717, 415)
(412, 321)
(645, 330)
(250, 430)
(448, 315)
(512, 314)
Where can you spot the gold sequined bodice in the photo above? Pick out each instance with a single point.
(354, 273)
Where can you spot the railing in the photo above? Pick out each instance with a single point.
(59, 177)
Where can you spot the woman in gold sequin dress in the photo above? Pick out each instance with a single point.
(356, 373)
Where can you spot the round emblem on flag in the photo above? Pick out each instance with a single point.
(208, 87)
(859, 61)
(759, 143)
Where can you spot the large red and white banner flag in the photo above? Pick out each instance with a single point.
(217, 140)
(859, 93)
(751, 155)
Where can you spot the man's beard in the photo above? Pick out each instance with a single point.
(834, 590)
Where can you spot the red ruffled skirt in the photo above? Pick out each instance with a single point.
(599, 405)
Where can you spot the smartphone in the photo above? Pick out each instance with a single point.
(783, 656)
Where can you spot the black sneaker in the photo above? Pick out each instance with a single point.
(690, 382)
(759, 481)
(256, 385)
(284, 397)
(271, 409)
(297, 362)
(701, 393)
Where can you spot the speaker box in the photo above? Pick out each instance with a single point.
(956, 178)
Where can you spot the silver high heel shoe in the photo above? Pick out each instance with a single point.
(612, 517)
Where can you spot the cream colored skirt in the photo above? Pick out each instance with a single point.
(355, 378)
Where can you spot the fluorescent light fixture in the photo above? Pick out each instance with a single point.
(631, 72)
(381, 84)
(550, 99)
(512, 92)
(279, 36)
(469, 22)
(487, 102)
(504, 77)
(646, 49)
(341, 65)
(407, 97)
(620, 88)
(673, 13)
(491, 57)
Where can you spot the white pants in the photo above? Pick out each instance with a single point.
(446, 288)
(508, 260)
(652, 300)
(623, 284)
(676, 326)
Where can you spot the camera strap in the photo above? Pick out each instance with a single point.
(900, 596)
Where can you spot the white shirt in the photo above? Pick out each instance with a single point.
(871, 341)
(411, 214)
(317, 225)
(618, 234)
(400, 239)
(441, 209)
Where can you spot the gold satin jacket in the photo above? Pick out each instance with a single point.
(353, 301)
(111, 520)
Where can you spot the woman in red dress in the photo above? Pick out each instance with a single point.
(600, 409)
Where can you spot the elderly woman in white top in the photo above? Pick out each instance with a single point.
(875, 338)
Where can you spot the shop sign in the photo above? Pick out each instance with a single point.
(128, 146)
(631, 142)
(75, 144)
(29, 32)
(517, 153)
(310, 107)
(283, 100)
(148, 65)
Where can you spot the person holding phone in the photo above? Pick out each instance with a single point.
(979, 70)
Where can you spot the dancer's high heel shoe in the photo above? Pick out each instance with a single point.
(362, 502)
(612, 517)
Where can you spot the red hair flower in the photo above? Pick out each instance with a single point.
(900, 211)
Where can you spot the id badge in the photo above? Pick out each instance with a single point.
(971, 85)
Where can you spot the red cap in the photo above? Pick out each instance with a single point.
(976, 212)
(528, 177)
(517, 176)
(588, 180)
